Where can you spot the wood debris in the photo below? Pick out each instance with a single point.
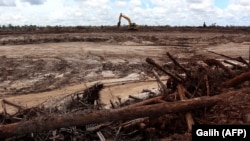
(185, 100)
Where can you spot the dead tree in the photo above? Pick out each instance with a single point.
(81, 118)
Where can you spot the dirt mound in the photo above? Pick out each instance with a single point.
(147, 35)
(30, 74)
(27, 39)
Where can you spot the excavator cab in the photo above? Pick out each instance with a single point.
(132, 26)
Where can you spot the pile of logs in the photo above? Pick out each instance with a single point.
(191, 87)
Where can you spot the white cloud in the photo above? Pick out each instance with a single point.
(94, 3)
(121, 3)
(201, 5)
(135, 3)
(237, 12)
(240, 2)
(34, 2)
(7, 3)
(106, 12)
(8, 18)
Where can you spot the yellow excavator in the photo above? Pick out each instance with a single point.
(132, 26)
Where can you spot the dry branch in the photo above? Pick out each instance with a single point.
(207, 85)
(82, 117)
(242, 60)
(146, 102)
(234, 65)
(133, 122)
(213, 62)
(97, 127)
(12, 104)
(223, 55)
(237, 80)
(179, 65)
(239, 59)
(249, 58)
(164, 88)
(188, 115)
(100, 135)
(176, 78)
(134, 97)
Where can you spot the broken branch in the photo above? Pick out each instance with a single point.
(213, 62)
(207, 85)
(12, 104)
(237, 80)
(242, 60)
(179, 65)
(145, 102)
(133, 122)
(82, 117)
(188, 115)
(234, 65)
(164, 88)
(152, 62)
(236, 59)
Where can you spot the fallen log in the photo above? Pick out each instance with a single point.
(239, 59)
(213, 62)
(81, 118)
(234, 65)
(237, 80)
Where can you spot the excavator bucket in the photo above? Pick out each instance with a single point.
(119, 24)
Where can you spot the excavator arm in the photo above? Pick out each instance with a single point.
(131, 25)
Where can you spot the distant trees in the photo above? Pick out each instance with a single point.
(18, 27)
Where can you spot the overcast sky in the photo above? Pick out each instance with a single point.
(142, 12)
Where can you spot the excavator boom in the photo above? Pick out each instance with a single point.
(131, 25)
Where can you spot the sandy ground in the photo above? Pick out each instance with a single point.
(85, 63)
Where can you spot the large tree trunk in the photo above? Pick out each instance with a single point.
(82, 117)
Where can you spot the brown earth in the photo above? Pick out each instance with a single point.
(39, 66)
(42, 66)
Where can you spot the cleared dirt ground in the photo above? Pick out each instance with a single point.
(40, 66)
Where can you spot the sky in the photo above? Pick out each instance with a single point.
(141, 12)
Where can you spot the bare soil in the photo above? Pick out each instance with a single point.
(41, 66)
